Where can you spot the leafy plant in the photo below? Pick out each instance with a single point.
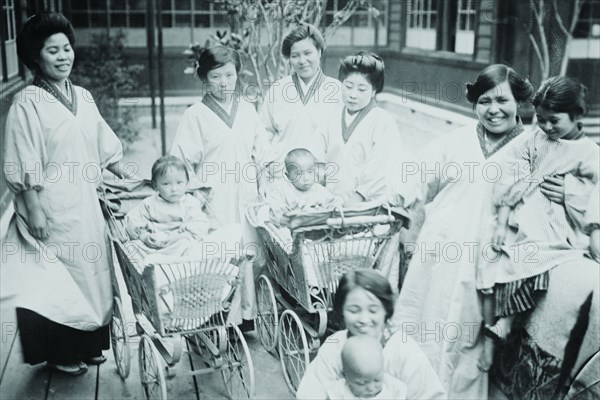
(257, 29)
(102, 69)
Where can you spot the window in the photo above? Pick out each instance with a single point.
(465, 27)
(437, 25)
(10, 45)
(363, 28)
(586, 36)
(422, 24)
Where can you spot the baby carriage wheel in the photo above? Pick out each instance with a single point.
(237, 369)
(152, 373)
(267, 320)
(119, 339)
(293, 349)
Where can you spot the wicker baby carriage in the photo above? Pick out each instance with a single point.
(304, 265)
(172, 301)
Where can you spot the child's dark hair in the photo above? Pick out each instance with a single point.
(301, 32)
(293, 155)
(163, 164)
(34, 33)
(495, 75)
(216, 57)
(562, 95)
(368, 64)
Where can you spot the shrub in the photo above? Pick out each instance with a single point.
(102, 69)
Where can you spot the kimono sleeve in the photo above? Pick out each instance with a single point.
(323, 369)
(261, 146)
(582, 186)
(25, 150)
(406, 361)
(375, 181)
(197, 222)
(138, 221)
(110, 149)
(266, 113)
(428, 180)
(592, 214)
(188, 145)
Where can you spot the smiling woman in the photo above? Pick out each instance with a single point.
(53, 133)
(365, 301)
(297, 106)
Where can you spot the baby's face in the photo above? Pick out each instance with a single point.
(172, 185)
(364, 384)
(302, 173)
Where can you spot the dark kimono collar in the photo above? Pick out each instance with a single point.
(212, 103)
(312, 89)
(508, 136)
(347, 130)
(51, 88)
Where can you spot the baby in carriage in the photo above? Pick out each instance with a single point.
(364, 375)
(170, 223)
(301, 191)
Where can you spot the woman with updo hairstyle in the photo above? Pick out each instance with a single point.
(297, 106)
(222, 141)
(361, 140)
(439, 300)
(364, 301)
(56, 146)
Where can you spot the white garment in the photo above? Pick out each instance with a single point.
(392, 389)
(66, 277)
(291, 123)
(365, 163)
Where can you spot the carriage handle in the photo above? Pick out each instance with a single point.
(342, 221)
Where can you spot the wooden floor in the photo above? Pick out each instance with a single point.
(21, 381)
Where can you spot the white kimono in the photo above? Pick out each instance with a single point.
(362, 156)
(438, 302)
(222, 150)
(66, 277)
(294, 118)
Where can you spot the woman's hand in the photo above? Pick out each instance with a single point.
(595, 244)
(38, 224)
(553, 188)
(499, 237)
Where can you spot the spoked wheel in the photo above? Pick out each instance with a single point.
(152, 373)
(119, 339)
(267, 320)
(237, 369)
(293, 349)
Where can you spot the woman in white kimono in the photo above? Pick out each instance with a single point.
(296, 107)
(221, 140)
(439, 302)
(56, 257)
(361, 142)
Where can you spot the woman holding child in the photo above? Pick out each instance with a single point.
(365, 302)
(439, 303)
(58, 143)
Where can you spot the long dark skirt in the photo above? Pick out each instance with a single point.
(45, 340)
